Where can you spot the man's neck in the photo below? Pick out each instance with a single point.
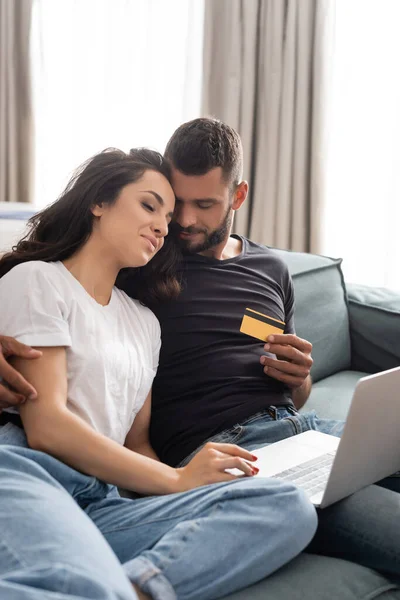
(228, 249)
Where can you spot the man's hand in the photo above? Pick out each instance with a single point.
(19, 389)
(293, 359)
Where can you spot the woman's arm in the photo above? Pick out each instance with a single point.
(52, 428)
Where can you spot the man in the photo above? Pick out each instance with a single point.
(212, 375)
(215, 383)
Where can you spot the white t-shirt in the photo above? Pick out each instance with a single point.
(112, 351)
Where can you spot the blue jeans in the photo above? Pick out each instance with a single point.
(363, 528)
(67, 535)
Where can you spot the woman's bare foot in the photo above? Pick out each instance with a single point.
(140, 594)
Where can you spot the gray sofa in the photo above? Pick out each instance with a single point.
(354, 330)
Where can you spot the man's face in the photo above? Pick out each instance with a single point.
(203, 210)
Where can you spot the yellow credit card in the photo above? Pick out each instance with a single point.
(260, 326)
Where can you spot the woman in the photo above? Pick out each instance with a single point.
(88, 428)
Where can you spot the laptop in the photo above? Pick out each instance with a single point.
(329, 468)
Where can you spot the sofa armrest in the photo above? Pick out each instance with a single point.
(374, 316)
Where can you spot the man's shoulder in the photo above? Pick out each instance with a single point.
(265, 254)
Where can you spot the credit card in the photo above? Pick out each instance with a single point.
(260, 326)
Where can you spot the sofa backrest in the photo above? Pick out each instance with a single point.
(321, 314)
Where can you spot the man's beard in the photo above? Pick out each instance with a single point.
(210, 239)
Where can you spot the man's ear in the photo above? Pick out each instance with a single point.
(241, 192)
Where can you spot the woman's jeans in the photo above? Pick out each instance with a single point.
(65, 535)
(363, 528)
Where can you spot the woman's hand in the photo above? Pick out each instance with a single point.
(210, 463)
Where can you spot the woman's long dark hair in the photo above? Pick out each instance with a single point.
(58, 231)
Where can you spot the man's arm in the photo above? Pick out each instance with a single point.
(291, 365)
(138, 439)
(300, 395)
(20, 389)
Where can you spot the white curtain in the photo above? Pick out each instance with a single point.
(362, 217)
(106, 73)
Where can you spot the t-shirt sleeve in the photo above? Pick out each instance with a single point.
(289, 305)
(32, 307)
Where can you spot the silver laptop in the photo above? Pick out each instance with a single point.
(329, 468)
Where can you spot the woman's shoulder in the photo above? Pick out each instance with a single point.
(32, 269)
(37, 276)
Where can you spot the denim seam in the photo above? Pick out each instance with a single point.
(86, 489)
(176, 516)
(144, 580)
(193, 527)
(238, 429)
(21, 563)
(65, 583)
(148, 575)
(10, 549)
(173, 554)
(295, 423)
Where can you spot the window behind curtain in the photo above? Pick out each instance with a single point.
(106, 73)
(362, 220)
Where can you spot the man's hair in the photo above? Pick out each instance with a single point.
(203, 144)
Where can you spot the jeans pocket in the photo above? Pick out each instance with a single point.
(263, 415)
(228, 436)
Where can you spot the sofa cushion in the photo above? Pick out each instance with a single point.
(312, 577)
(374, 327)
(321, 313)
(331, 397)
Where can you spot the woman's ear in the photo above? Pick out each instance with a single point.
(97, 210)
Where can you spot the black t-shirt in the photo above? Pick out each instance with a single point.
(210, 377)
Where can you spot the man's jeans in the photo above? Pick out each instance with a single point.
(363, 528)
(67, 535)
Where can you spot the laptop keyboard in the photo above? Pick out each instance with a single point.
(312, 475)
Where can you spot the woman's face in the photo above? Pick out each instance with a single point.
(132, 230)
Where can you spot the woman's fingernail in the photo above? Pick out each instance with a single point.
(263, 359)
(254, 457)
(255, 470)
(266, 347)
